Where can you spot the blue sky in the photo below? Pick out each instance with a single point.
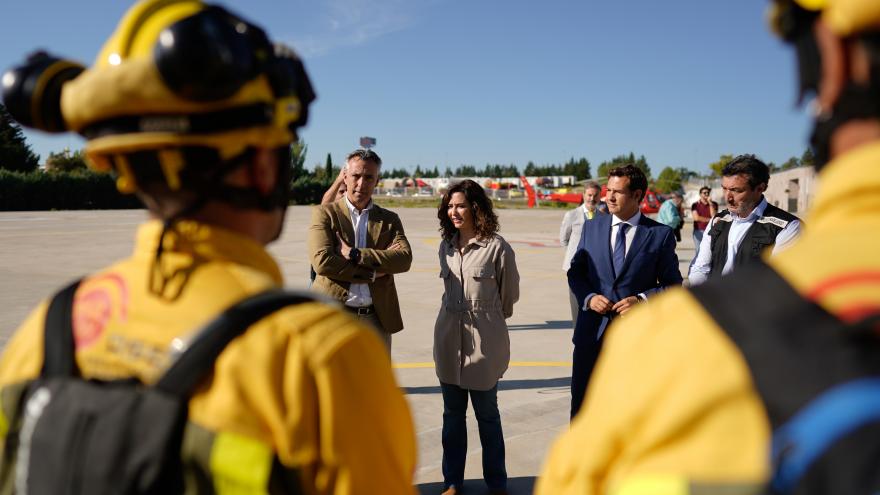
(451, 82)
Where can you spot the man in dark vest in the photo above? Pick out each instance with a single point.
(749, 225)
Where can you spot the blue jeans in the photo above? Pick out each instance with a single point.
(698, 238)
(455, 401)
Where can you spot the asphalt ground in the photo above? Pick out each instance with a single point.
(40, 251)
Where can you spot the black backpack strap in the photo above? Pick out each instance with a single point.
(817, 376)
(754, 295)
(59, 357)
(195, 363)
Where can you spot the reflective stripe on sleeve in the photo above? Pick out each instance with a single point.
(240, 465)
(680, 485)
(652, 485)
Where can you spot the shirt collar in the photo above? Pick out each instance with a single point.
(587, 212)
(480, 242)
(632, 221)
(352, 208)
(203, 243)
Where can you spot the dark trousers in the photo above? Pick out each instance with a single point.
(455, 401)
(583, 360)
(575, 308)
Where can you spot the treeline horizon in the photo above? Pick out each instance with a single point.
(16, 155)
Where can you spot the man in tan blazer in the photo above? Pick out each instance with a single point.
(356, 247)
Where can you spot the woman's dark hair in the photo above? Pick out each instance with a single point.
(485, 220)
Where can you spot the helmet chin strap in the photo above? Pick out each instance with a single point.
(248, 197)
(856, 102)
(160, 280)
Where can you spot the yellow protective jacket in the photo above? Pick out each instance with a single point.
(672, 409)
(307, 385)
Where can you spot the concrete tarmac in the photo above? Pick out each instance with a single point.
(40, 251)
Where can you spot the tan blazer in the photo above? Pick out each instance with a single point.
(336, 274)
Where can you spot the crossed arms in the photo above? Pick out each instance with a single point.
(393, 253)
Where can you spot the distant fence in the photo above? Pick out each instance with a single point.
(427, 192)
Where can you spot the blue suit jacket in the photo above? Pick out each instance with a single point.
(650, 266)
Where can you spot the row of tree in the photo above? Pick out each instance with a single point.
(806, 159)
(579, 168)
(16, 155)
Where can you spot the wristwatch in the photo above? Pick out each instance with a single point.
(355, 256)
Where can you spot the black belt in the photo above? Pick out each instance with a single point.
(362, 310)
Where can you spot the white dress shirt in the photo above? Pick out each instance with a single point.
(738, 227)
(359, 294)
(633, 222)
(630, 234)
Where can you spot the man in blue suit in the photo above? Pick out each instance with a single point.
(621, 260)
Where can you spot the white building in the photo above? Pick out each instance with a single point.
(792, 189)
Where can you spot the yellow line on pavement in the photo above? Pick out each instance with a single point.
(513, 364)
(541, 364)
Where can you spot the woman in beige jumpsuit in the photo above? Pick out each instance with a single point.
(471, 343)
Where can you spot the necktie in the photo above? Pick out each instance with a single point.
(620, 248)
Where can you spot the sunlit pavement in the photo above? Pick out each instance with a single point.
(40, 251)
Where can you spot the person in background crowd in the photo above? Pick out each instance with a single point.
(337, 189)
(335, 192)
(570, 232)
(670, 214)
(702, 212)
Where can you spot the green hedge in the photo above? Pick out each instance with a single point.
(308, 190)
(85, 190)
(79, 190)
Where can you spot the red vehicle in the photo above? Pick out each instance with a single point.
(573, 198)
(650, 203)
